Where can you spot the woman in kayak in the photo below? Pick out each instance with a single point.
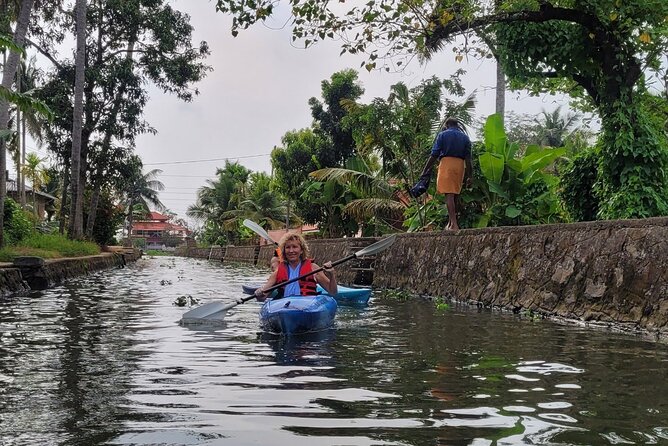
(296, 262)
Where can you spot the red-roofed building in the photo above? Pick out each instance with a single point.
(159, 233)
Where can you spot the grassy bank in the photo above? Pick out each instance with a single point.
(48, 246)
(157, 253)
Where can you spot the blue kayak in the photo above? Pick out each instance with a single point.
(298, 314)
(345, 296)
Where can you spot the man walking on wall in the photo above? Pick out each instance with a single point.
(452, 149)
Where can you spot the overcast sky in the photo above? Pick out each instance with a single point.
(259, 89)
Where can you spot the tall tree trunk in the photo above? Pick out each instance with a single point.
(76, 206)
(63, 202)
(94, 200)
(22, 191)
(130, 218)
(19, 140)
(500, 91)
(8, 72)
(500, 108)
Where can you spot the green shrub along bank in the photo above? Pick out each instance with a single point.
(48, 246)
(23, 239)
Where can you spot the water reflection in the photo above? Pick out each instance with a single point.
(102, 360)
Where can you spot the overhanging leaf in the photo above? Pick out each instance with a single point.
(492, 165)
(495, 135)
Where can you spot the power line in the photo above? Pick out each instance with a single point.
(207, 160)
(187, 176)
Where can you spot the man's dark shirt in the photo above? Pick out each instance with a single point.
(452, 142)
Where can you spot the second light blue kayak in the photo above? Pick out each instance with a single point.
(298, 314)
(345, 296)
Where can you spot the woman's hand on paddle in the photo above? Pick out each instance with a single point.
(260, 295)
(328, 268)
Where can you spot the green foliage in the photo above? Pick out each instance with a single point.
(17, 224)
(329, 117)
(109, 218)
(396, 294)
(429, 215)
(236, 194)
(513, 189)
(632, 172)
(441, 303)
(48, 246)
(364, 194)
(158, 253)
(601, 52)
(26, 103)
(131, 45)
(577, 186)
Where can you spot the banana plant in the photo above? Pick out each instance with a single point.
(513, 187)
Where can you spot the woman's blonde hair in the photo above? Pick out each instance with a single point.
(290, 236)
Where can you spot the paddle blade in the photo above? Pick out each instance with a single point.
(259, 230)
(377, 247)
(211, 312)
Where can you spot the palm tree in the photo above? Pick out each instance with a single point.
(377, 199)
(142, 191)
(554, 128)
(36, 174)
(28, 120)
(218, 197)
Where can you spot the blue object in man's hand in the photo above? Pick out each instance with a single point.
(421, 186)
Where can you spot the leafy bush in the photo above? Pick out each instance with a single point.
(577, 186)
(108, 219)
(18, 224)
(512, 188)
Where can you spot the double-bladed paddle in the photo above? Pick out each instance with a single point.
(215, 311)
(259, 230)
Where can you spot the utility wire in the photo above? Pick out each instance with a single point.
(207, 160)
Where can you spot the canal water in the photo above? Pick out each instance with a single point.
(102, 360)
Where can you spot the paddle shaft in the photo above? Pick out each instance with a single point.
(282, 284)
(315, 271)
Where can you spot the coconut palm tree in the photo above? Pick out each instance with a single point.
(28, 121)
(262, 205)
(377, 199)
(553, 128)
(142, 192)
(33, 170)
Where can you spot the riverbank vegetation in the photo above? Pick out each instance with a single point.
(86, 112)
(350, 170)
(26, 236)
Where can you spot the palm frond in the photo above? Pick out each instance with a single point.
(368, 208)
(363, 182)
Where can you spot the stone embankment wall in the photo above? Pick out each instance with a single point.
(28, 273)
(609, 272)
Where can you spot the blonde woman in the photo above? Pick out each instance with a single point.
(295, 262)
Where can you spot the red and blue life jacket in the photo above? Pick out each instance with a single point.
(307, 285)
